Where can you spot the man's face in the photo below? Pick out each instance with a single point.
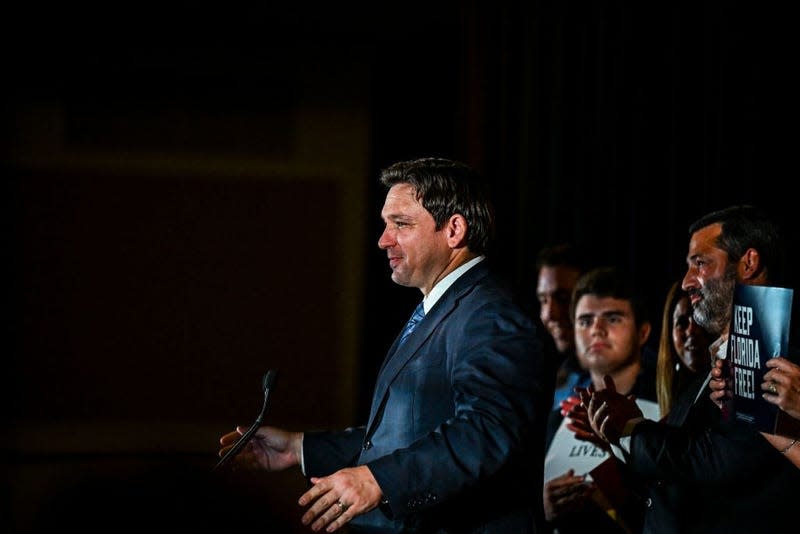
(709, 280)
(418, 253)
(606, 336)
(553, 291)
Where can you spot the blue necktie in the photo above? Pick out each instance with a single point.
(416, 317)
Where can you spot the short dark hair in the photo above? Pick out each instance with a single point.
(445, 188)
(561, 255)
(610, 282)
(743, 227)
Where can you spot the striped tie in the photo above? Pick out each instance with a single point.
(416, 317)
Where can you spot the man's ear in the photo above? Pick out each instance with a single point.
(750, 270)
(644, 333)
(456, 231)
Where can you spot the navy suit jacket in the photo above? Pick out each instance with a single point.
(454, 436)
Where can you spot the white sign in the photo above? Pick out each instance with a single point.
(567, 452)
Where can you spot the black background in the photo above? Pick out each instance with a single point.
(612, 125)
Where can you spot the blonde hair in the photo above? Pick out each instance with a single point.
(667, 358)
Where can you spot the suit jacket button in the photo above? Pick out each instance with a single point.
(648, 502)
(367, 445)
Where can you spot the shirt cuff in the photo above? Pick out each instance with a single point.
(627, 430)
(623, 450)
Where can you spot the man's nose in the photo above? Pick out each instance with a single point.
(385, 240)
(689, 281)
(598, 326)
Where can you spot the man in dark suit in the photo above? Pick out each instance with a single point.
(453, 442)
(706, 472)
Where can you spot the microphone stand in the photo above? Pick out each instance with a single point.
(268, 382)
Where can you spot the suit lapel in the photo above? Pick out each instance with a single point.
(399, 355)
(688, 399)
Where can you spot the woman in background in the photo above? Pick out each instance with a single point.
(682, 349)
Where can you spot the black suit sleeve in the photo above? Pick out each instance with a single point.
(326, 452)
(723, 453)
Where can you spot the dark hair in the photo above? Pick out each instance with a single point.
(445, 188)
(745, 227)
(561, 255)
(610, 282)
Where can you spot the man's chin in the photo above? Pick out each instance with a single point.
(400, 280)
(563, 347)
(562, 343)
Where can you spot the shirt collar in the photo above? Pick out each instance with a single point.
(444, 284)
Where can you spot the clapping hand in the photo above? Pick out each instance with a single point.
(610, 411)
(575, 411)
(566, 494)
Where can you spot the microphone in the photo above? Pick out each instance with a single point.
(268, 383)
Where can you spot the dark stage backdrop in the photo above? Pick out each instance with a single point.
(191, 199)
(612, 126)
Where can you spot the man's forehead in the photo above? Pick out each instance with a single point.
(554, 277)
(704, 240)
(594, 304)
(399, 200)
